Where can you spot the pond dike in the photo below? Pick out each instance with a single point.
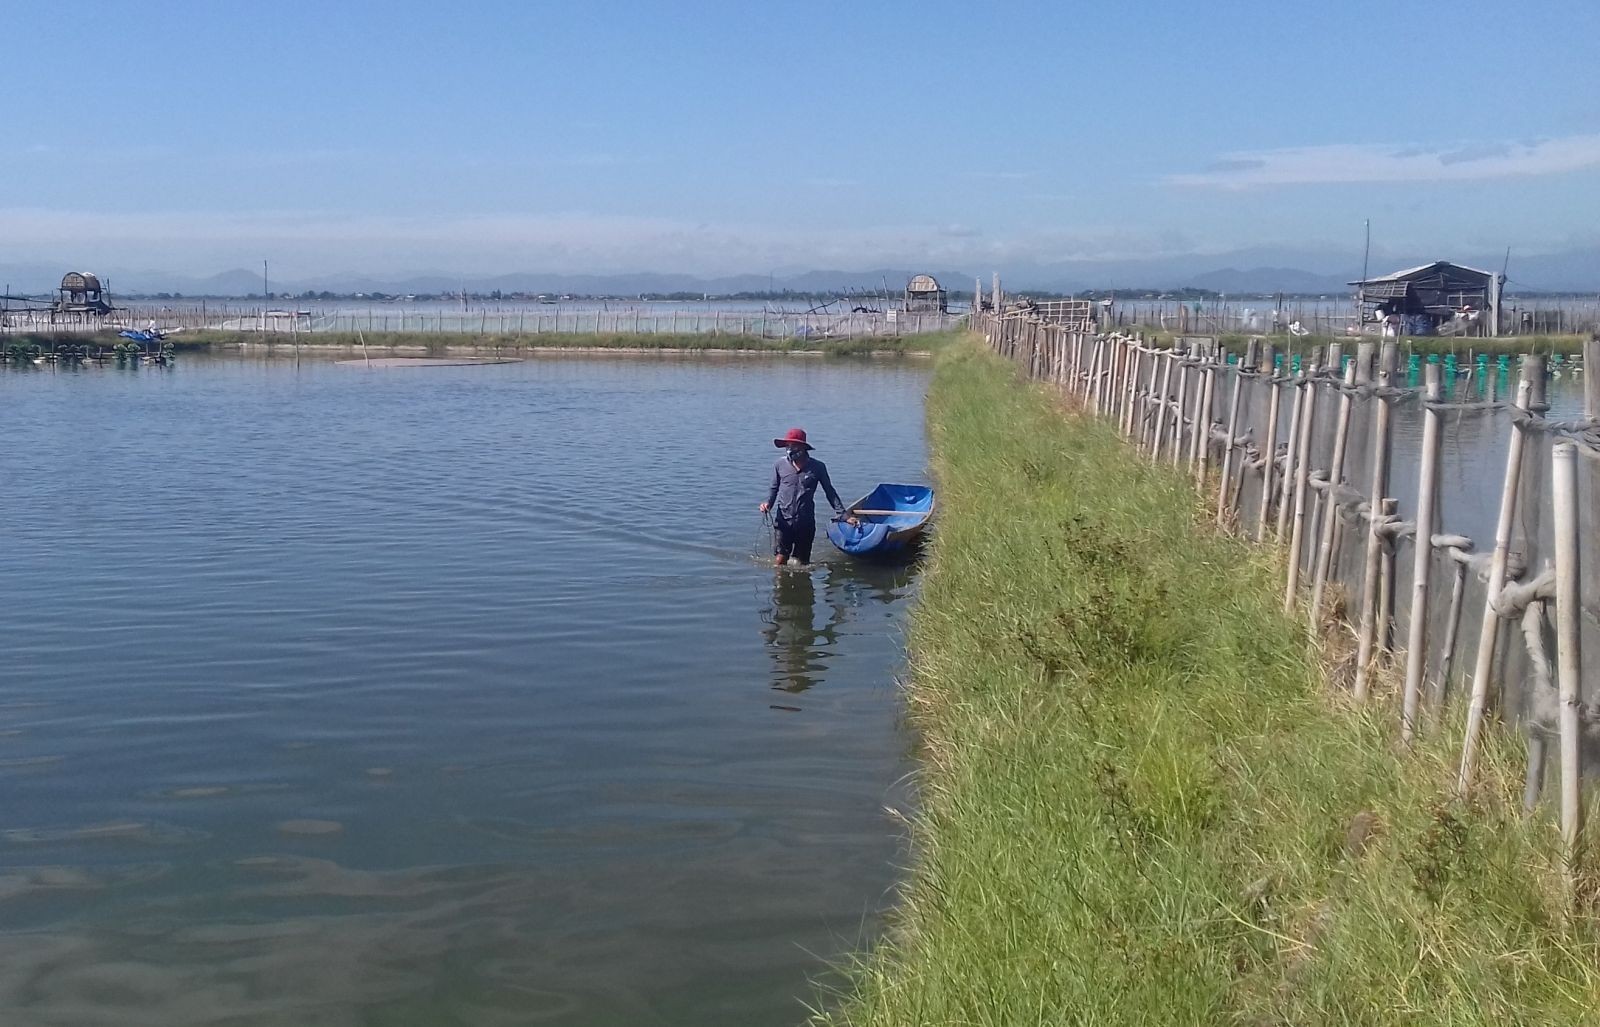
(1143, 797)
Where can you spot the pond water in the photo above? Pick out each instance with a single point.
(439, 695)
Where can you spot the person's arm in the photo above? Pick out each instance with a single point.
(772, 491)
(827, 489)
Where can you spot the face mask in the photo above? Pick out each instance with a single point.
(797, 454)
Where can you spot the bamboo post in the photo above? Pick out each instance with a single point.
(1302, 476)
(1452, 623)
(1341, 436)
(1180, 409)
(1269, 441)
(1490, 628)
(1386, 580)
(1591, 379)
(1230, 429)
(1113, 383)
(1108, 385)
(1131, 399)
(1290, 447)
(1091, 395)
(1422, 554)
(1569, 628)
(1370, 592)
(1200, 421)
(1159, 429)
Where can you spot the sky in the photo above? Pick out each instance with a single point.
(716, 138)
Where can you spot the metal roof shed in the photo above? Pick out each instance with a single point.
(1439, 290)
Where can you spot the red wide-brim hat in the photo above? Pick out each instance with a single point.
(795, 436)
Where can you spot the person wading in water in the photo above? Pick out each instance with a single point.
(792, 499)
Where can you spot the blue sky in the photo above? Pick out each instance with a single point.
(718, 137)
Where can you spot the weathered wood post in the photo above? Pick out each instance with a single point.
(1269, 441)
(1119, 369)
(1386, 578)
(1489, 631)
(1302, 478)
(1422, 555)
(1388, 362)
(1091, 396)
(1200, 419)
(1130, 395)
(1341, 436)
(1291, 447)
(1591, 378)
(1180, 409)
(1569, 627)
(1107, 398)
(1159, 428)
(1231, 428)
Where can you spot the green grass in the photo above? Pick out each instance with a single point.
(1138, 805)
(927, 342)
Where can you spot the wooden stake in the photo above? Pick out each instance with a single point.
(1341, 436)
(1130, 397)
(1269, 442)
(1422, 552)
(1386, 586)
(1159, 429)
(1181, 405)
(1302, 475)
(1489, 631)
(1370, 593)
(1231, 429)
(1291, 447)
(1569, 629)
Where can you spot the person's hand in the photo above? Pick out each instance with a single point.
(763, 507)
(851, 519)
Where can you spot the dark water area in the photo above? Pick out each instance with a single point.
(438, 696)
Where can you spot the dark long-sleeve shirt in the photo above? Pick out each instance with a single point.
(792, 495)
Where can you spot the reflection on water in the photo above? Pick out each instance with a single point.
(333, 696)
(803, 621)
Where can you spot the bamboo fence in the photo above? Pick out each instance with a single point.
(503, 323)
(1442, 535)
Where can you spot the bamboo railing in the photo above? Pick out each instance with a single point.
(1369, 469)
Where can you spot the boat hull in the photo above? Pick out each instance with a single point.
(891, 521)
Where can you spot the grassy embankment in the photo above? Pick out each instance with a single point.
(1139, 805)
(437, 342)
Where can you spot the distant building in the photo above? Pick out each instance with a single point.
(924, 295)
(80, 293)
(1435, 299)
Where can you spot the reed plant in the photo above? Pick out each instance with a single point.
(1139, 803)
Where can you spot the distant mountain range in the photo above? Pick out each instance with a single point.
(1245, 271)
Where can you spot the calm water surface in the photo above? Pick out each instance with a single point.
(432, 696)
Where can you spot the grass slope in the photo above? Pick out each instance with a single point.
(1138, 805)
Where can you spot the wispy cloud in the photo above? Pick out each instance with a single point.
(1369, 162)
(307, 242)
(1002, 176)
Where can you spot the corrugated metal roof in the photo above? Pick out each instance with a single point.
(1413, 272)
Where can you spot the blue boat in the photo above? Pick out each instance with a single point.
(889, 519)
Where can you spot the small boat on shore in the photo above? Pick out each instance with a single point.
(889, 519)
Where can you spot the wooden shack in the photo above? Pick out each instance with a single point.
(924, 295)
(1435, 299)
(81, 293)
